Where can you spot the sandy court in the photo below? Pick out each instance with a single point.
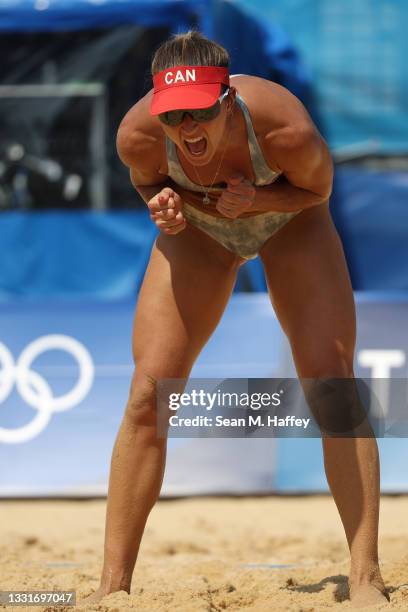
(207, 554)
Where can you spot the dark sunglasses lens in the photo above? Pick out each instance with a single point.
(172, 117)
(206, 114)
(201, 115)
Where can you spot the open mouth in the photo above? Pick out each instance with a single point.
(196, 146)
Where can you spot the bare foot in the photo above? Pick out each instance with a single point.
(95, 597)
(368, 595)
(92, 598)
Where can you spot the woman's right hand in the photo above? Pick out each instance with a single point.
(166, 211)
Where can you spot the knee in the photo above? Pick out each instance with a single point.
(141, 407)
(336, 405)
(333, 360)
(330, 388)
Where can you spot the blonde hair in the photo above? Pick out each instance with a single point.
(189, 49)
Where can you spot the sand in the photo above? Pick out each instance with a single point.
(203, 554)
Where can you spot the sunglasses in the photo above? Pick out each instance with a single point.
(175, 117)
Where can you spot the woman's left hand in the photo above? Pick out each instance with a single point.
(237, 198)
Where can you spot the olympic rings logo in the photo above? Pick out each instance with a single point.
(35, 390)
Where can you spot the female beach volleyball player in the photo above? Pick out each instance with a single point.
(232, 168)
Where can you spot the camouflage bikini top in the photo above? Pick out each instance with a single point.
(263, 174)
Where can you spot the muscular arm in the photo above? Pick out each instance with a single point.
(139, 152)
(304, 159)
(147, 192)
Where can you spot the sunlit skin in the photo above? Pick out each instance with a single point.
(189, 281)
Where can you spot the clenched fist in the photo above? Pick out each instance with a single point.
(237, 198)
(166, 211)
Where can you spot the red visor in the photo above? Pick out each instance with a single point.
(187, 87)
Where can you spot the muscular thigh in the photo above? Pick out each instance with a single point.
(186, 287)
(311, 293)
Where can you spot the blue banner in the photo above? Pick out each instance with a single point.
(64, 377)
(77, 255)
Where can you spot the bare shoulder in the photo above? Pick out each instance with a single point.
(274, 110)
(140, 139)
(284, 129)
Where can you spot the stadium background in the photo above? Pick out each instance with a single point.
(76, 238)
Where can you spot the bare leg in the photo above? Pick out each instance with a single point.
(355, 484)
(311, 293)
(187, 285)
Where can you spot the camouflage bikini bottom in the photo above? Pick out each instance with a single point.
(244, 236)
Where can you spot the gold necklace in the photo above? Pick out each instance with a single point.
(206, 199)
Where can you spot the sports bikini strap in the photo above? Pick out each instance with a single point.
(263, 173)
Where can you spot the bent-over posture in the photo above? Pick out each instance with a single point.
(231, 168)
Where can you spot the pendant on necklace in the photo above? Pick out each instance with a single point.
(206, 199)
